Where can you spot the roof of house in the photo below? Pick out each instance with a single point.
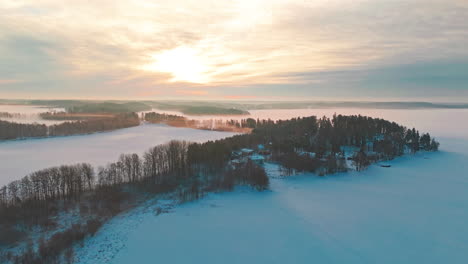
(247, 150)
(257, 157)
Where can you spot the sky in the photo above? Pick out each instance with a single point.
(235, 50)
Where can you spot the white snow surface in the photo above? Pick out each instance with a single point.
(21, 157)
(414, 212)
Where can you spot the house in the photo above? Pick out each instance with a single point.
(259, 159)
(264, 152)
(246, 151)
(237, 154)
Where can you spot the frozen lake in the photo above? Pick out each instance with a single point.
(18, 158)
(413, 212)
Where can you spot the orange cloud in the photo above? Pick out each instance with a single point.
(2, 82)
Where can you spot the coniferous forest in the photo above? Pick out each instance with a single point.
(187, 171)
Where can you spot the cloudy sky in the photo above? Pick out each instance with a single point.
(226, 49)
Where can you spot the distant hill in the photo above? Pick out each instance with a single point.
(212, 110)
(108, 107)
(225, 107)
(85, 106)
(217, 107)
(349, 104)
(200, 108)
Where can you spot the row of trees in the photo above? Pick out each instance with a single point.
(156, 118)
(176, 164)
(49, 184)
(209, 124)
(94, 125)
(159, 165)
(10, 115)
(12, 130)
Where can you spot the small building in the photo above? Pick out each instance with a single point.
(237, 154)
(259, 159)
(246, 151)
(307, 153)
(264, 152)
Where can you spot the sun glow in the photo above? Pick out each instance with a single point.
(183, 63)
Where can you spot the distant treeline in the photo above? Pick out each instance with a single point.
(107, 107)
(188, 170)
(243, 126)
(224, 108)
(200, 108)
(172, 120)
(212, 110)
(88, 106)
(12, 130)
(350, 104)
(64, 116)
(10, 115)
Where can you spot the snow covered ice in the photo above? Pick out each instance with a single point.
(20, 157)
(413, 212)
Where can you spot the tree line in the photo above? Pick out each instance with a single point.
(10, 115)
(243, 126)
(12, 130)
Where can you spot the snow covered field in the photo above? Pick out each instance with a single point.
(413, 212)
(18, 158)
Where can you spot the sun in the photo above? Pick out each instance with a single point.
(183, 63)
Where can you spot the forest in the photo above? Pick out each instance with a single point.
(208, 124)
(10, 115)
(187, 171)
(107, 107)
(64, 116)
(12, 130)
(89, 106)
(212, 110)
